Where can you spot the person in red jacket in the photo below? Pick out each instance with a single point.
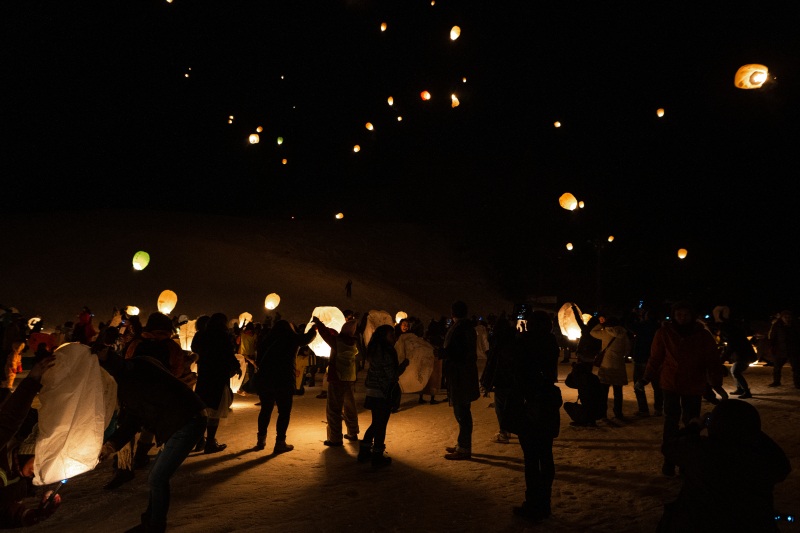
(684, 357)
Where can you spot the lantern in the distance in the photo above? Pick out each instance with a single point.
(369, 126)
(356, 148)
(167, 301)
(425, 95)
(280, 141)
(569, 246)
(610, 238)
(682, 253)
(455, 32)
(132, 310)
(140, 260)
(400, 316)
(454, 101)
(284, 161)
(581, 204)
(660, 112)
(339, 216)
(557, 124)
(259, 129)
(568, 201)
(383, 26)
(254, 138)
(568, 322)
(390, 100)
(272, 300)
(751, 76)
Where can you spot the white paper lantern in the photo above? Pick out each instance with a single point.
(166, 301)
(272, 300)
(568, 322)
(333, 318)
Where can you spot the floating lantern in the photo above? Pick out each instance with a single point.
(464, 79)
(751, 76)
(167, 301)
(245, 318)
(271, 301)
(230, 119)
(383, 26)
(284, 161)
(568, 201)
(141, 260)
(254, 138)
(132, 310)
(569, 246)
(390, 100)
(682, 253)
(186, 75)
(557, 124)
(259, 129)
(581, 204)
(660, 112)
(280, 141)
(400, 316)
(369, 126)
(339, 216)
(333, 318)
(169, 1)
(455, 32)
(568, 322)
(399, 118)
(610, 238)
(454, 101)
(425, 95)
(356, 148)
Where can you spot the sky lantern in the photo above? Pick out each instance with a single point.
(751, 76)
(333, 318)
(271, 301)
(454, 101)
(400, 316)
(339, 216)
(464, 79)
(140, 260)
(259, 129)
(383, 26)
(557, 124)
(167, 301)
(284, 161)
(132, 310)
(369, 126)
(682, 253)
(390, 100)
(568, 201)
(455, 32)
(581, 204)
(425, 95)
(610, 238)
(254, 138)
(399, 118)
(280, 141)
(569, 246)
(245, 318)
(356, 148)
(230, 119)
(660, 112)
(568, 322)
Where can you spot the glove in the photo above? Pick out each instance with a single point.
(639, 385)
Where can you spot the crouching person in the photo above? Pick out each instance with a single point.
(152, 399)
(16, 465)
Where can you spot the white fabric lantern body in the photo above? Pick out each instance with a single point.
(271, 301)
(78, 400)
(568, 322)
(186, 334)
(419, 353)
(236, 381)
(455, 33)
(400, 316)
(132, 310)
(333, 318)
(568, 201)
(751, 76)
(376, 319)
(167, 301)
(254, 138)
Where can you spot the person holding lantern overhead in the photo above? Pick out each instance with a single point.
(341, 402)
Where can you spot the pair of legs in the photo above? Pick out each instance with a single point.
(641, 397)
(464, 418)
(677, 408)
(737, 370)
(269, 398)
(500, 401)
(617, 399)
(374, 442)
(540, 470)
(778, 368)
(341, 405)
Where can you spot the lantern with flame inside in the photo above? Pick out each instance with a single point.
(339, 216)
(230, 119)
(357, 148)
(254, 138)
(272, 300)
(259, 129)
(581, 204)
(425, 95)
(369, 126)
(557, 124)
(455, 32)
(682, 253)
(132, 310)
(751, 76)
(167, 301)
(140, 260)
(568, 201)
(400, 316)
(568, 322)
(610, 238)
(284, 161)
(390, 100)
(660, 112)
(383, 26)
(454, 100)
(280, 141)
(569, 246)
(333, 318)
(245, 318)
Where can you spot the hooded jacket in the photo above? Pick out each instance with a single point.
(688, 361)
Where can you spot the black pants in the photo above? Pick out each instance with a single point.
(677, 408)
(268, 400)
(641, 397)
(617, 399)
(375, 435)
(540, 470)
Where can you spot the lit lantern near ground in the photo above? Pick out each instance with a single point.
(271, 301)
(682, 253)
(400, 316)
(280, 141)
(751, 76)
(383, 26)
(569, 246)
(141, 260)
(610, 238)
(390, 100)
(334, 319)
(369, 126)
(557, 124)
(455, 32)
(660, 112)
(568, 322)
(245, 318)
(254, 138)
(259, 129)
(454, 101)
(166, 301)
(581, 204)
(568, 201)
(132, 310)
(339, 216)
(425, 95)
(356, 148)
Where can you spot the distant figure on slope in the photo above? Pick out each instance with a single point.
(348, 288)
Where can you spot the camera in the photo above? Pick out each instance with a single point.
(520, 311)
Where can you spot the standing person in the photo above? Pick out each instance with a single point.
(382, 388)
(247, 350)
(461, 370)
(341, 403)
(435, 336)
(144, 387)
(784, 338)
(739, 352)
(588, 346)
(536, 402)
(644, 331)
(612, 372)
(498, 376)
(84, 331)
(684, 357)
(275, 380)
(348, 288)
(216, 364)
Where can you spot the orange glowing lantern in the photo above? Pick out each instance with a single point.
(390, 100)
(568, 201)
(569, 246)
(751, 76)
(383, 26)
(610, 238)
(339, 216)
(356, 148)
(682, 253)
(660, 112)
(425, 95)
(272, 300)
(254, 138)
(455, 32)
(581, 204)
(400, 316)
(454, 101)
(369, 126)
(259, 129)
(557, 124)
(166, 302)
(284, 161)
(568, 322)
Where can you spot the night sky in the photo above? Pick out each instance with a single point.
(99, 112)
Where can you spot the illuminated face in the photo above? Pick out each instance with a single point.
(683, 316)
(403, 327)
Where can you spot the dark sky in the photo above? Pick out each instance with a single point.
(100, 113)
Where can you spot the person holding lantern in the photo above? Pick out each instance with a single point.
(341, 402)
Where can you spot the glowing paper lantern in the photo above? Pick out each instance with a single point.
(390, 100)
(339, 216)
(455, 32)
(421, 360)
(333, 318)
(376, 319)
(141, 260)
(383, 26)
(400, 316)
(33, 321)
(245, 318)
(569, 246)
(369, 126)
(568, 322)
(464, 79)
(751, 76)
(356, 148)
(284, 161)
(167, 301)
(660, 112)
(280, 141)
(259, 129)
(272, 300)
(132, 310)
(557, 124)
(568, 201)
(399, 118)
(682, 253)
(186, 333)
(454, 101)
(254, 138)
(425, 95)
(581, 204)
(230, 119)
(610, 238)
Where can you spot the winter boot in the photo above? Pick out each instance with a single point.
(140, 458)
(378, 458)
(364, 452)
(261, 441)
(282, 447)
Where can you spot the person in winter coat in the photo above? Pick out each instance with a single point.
(736, 453)
(588, 346)
(616, 346)
(216, 364)
(461, 371)
(684, 357)
(84, 331)
(784, 337)
(382, 388)
(498, 376)
(739, 352)
(341, 402)
(275, 380)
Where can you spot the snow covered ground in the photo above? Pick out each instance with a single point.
(607, 479)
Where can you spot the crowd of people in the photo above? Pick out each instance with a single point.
(681, 356)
